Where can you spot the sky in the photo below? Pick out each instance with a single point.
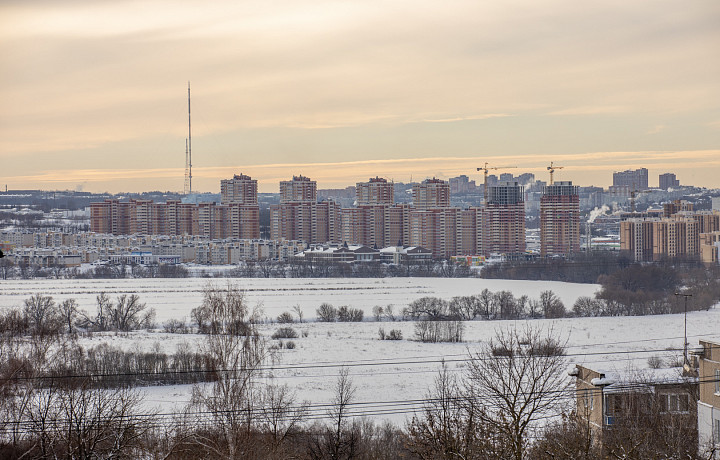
(94, 93)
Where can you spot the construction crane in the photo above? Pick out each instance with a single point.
(485, 170)
(552, 169)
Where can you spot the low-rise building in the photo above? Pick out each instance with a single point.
(606, 400)
(708, 406)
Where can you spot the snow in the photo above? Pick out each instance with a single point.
(385, 372)
(174, 298)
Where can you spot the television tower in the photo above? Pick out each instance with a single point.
(188, 152)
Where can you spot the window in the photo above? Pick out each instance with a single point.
(716, 431)
(717, 380)
(675, 402)
(587, 399)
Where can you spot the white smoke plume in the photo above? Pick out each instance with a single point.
(597, 212)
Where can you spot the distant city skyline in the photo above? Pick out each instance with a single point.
(94, 93)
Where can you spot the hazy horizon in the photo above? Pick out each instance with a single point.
(95, 93)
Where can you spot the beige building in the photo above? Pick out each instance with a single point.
(298, 189)
(675, 236)
(241, 189)
(710, 247)
(605, 399)
(431, 193)
(377, 191)
(709, 403)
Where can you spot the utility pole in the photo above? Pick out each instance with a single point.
(685, 344)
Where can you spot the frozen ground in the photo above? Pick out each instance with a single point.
(384, 372)
(175, 297)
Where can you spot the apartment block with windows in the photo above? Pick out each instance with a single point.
(668, 180)
(606, 399)
(503, 220)
(708, 411)
(377, 191)
(560, 219)
(633, 179)
(298, 189)
(431, 193)
(241, 189)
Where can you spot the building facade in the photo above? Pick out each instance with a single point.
(668, 180)
(298, 189)
(503, 220)
(241, 189)
(634, 179)
(377, 191)
(431, 193)
(708, 411)
(560, 219)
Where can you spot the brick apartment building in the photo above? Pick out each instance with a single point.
(560, 219)
(238, 215)
(503, 220)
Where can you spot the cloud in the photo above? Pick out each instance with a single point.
(580, 167)
(657, 129)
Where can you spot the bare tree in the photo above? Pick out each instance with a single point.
(128, 314)
(519, 378)
(298, 311)
(338, 440)
(551, 304)
(238, 352)
(571, 438)
(449, 425)
(326, 313)
(69, 313)
(43, 315)
(279, 416)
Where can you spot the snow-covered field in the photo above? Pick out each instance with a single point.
(173, 298)
(384, 372)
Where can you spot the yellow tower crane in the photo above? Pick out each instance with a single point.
(485, 170)
(552, 169)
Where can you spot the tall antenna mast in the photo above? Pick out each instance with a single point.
(186, 186)
(189, 145)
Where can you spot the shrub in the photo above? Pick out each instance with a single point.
(349, 315)
(326, 313)
(285, 333)
(285, 318)
(175, 326)
(290, 345)
(439, 331)
(655, 362)
(394, 334)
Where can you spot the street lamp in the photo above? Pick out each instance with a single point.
(685, 343)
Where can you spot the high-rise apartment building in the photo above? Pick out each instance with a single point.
(312, 223)
(435, 229)
(560, 219)
(299, 189)
(431, 193)
(300, 217)
(668, 180)
(503, 220)
(634, 179)
(375, 191)
(237, 217)
(462, 184)
(241, 189)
